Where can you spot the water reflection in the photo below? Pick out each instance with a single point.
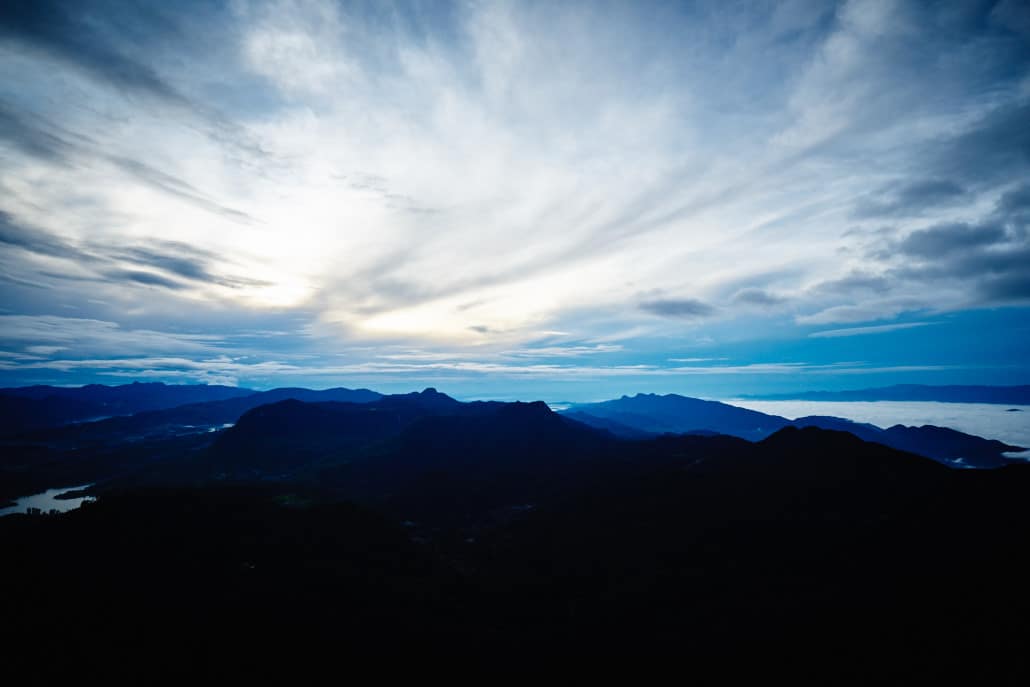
(48, 501)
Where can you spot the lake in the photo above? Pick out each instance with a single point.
(47, 501)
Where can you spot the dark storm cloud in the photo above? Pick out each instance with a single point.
(993, 151)
(910, 198)
(989, 258)
(677, 307)
(1016, 200)
(946, 239)
(81, 37)
(1014, 207)
(1013, 286)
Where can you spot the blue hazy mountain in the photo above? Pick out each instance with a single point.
(680, 415)
(33, 407)
(1007, 395)
(145, 408)
(126, 399)
(683, 415)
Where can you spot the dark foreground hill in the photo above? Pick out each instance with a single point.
(503, 529)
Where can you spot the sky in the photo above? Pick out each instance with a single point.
(556, 200)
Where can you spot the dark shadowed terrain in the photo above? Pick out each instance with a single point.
(309, 533)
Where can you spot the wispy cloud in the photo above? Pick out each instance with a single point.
(859, 331)
(451, 183)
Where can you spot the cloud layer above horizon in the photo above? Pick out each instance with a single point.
(510, 195)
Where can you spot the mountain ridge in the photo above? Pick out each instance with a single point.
(682, 414)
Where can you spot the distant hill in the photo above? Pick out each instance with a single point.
(126, 399)
(142, 409)
(680, 415)
(1007, 395)
(424, 448)
(683, 415)
(34, 407)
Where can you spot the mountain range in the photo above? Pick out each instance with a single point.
(151, 406)
(286, 433)
(649, 413)
(417, 523)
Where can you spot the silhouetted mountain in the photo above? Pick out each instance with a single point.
(940, 443)
(616, 428)
(20, 413)
(429, 398)
(189, 417)
(35, 459)
(679, 414)
(314, 396)
(34, 407)
(125, 399)
(424, 447)
(1009, 395)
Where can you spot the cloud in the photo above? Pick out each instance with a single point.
(944, 240)
(146, 278)
(176, 187)
(856, 281)
(992, 151)
(14, 235)
(176, 260)
(38, 137)
(564, 351)
(759, 297)
(30, 138)
(677, 307)
(871, 310)
(1015, 200)
(225, 368)
(79, 41)
(911, 198)
(82, 336)
(861, 331)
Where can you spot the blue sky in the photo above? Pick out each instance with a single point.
(556, 199)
